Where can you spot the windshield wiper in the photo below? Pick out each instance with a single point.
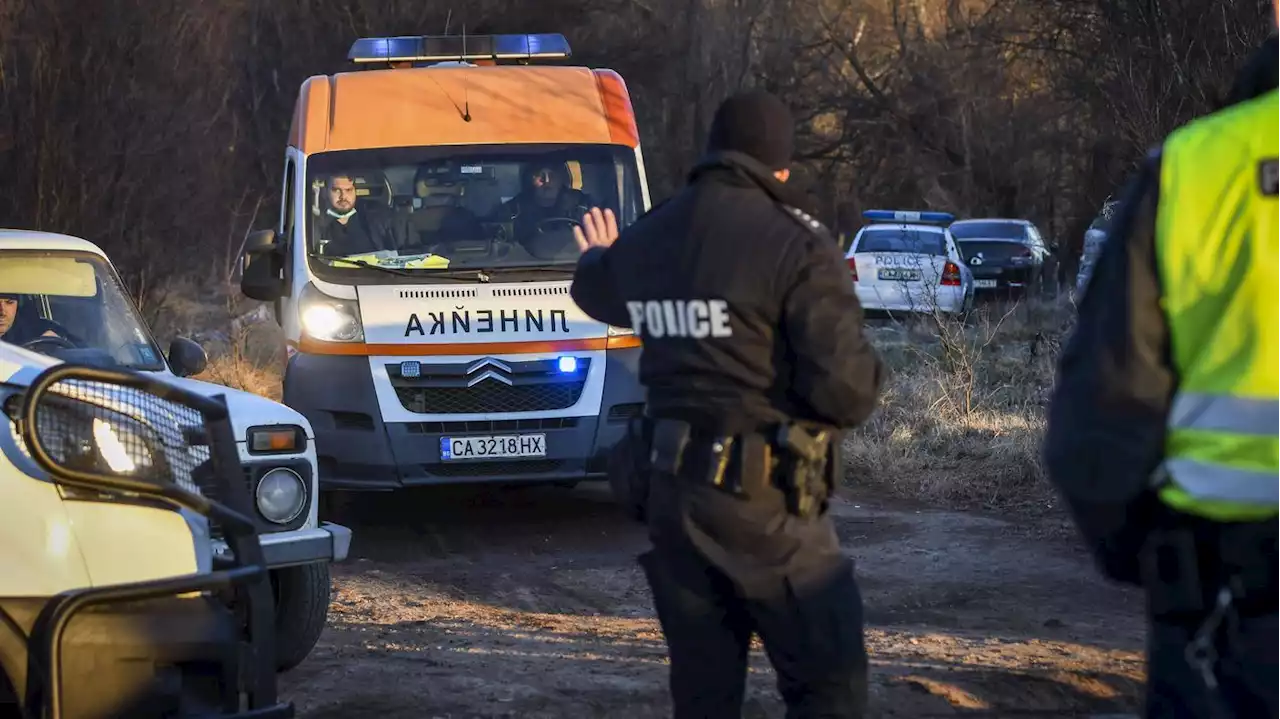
(540, 267)
(361, 263)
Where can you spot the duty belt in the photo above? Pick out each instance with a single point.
(679, 449)
(790, 456)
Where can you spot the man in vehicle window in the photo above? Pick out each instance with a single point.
(19, 328)
(755, 364)
(345, 230)
(546, 197)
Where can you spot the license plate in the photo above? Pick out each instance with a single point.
(897, 274)
(984, 283)
(504, 446)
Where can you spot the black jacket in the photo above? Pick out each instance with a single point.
(368, 230)
(1115, 385)
(796, 348)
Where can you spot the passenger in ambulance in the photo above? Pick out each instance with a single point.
(438, 223)
(345, 230)
(544, 212)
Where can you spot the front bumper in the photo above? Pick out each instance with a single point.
(357, 450)
(327, 543)
(153, 657)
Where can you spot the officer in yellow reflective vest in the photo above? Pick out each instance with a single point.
(1163, 427)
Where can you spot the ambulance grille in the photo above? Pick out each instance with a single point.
(436, 294)
(530, 291)
(491, 397)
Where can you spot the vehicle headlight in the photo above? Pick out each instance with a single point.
(620, 331)
(281, 495)
(330, 319)
(90, 438)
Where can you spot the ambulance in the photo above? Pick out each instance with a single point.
(421, 264)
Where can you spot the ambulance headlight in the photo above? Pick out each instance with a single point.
(620, 331)
(330, 319)
(281, 495)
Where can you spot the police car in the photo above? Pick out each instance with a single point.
(905, 261)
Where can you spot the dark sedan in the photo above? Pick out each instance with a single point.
(1005, 255)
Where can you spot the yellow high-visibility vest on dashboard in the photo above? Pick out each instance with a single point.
(1216, 248)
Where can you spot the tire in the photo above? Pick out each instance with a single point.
(302, 608)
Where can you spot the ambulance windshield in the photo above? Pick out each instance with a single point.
(490, 207)
(70, 305)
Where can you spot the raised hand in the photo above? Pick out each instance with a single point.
(599, 229)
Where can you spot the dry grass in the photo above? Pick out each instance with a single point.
(962, 417)
(235, 369)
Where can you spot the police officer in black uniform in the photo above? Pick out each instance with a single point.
(754, 360)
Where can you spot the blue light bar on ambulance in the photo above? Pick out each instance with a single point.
(442, 48)
(922, 218)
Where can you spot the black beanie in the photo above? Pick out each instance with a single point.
(754, 123)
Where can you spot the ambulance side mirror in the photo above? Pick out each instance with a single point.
(261, 265)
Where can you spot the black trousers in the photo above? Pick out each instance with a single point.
(1245, 671)
(725, 568)
(1185, 569)
(814, 642)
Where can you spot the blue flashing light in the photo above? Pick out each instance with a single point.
(912, 216)
(441, 48)
(567, 365)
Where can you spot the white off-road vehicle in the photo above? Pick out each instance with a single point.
(61, 301)
(113, 602)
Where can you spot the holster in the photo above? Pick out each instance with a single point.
(808, 467)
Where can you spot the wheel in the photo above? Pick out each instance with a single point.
(302, 607)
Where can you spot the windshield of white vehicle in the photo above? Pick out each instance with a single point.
(988, 230)
(425, 209)
(70, 304)
(895, 240)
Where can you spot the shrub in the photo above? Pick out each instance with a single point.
(962, 416)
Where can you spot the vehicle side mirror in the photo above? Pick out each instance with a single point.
(187, 358)
(261, 264)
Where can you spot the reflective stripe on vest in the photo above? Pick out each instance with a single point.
(1223, 413)
(1218, 252)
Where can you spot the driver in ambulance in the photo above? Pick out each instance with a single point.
(546, 195)
(18, 330)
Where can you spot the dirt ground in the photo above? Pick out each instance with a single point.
(529, 603)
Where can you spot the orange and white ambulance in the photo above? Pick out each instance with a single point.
(421, 264)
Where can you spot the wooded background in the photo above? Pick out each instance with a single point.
(156, 128)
